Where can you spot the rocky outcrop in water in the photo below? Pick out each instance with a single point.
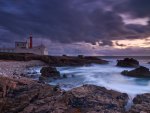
(49, 74)
(128, 62)
(141, 104)
(27, 96)
(141, 72)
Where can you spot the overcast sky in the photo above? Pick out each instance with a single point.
(91, 27)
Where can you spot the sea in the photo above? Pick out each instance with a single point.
(104, 75)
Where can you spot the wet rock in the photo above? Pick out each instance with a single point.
(29, 96)
(64, 76)
(90, 98)
(141, 71)
(24, 95)
(141, 104)
(49, 72)
(128, 62)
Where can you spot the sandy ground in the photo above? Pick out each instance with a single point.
(15, 68)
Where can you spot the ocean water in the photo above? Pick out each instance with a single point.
(107, 76)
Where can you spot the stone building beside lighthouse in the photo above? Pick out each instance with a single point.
(26, 47)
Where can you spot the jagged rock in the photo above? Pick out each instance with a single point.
(95, 99)
(138, 72)
(141, 104)
(29, 96)
(128, 62)
(24, 95)
(48, 74)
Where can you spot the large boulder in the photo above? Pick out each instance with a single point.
(49, 73)
(141, 104)
(138, 72)
(128, 62)
(24, 95)
(95, 99)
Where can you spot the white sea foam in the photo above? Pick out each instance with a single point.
(104, 75)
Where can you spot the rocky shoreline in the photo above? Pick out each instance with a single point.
(28, 96)
(19, 94)
(16, 68)
(54, 60)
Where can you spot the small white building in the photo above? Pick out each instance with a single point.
(26, 47)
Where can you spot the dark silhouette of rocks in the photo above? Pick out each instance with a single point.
(53, 60)
(128, 62)
(71, 61)
(138, 72)
(141, 104)
(49, 74)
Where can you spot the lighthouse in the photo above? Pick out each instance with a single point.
(26, 47)
(30, 43)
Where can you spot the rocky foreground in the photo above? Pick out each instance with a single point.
(27, 96)
(141, 104)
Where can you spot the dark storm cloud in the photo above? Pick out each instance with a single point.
(137, 8)
(59, 20)
(66, 21)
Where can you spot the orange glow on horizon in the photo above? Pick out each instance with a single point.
(131, 43)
